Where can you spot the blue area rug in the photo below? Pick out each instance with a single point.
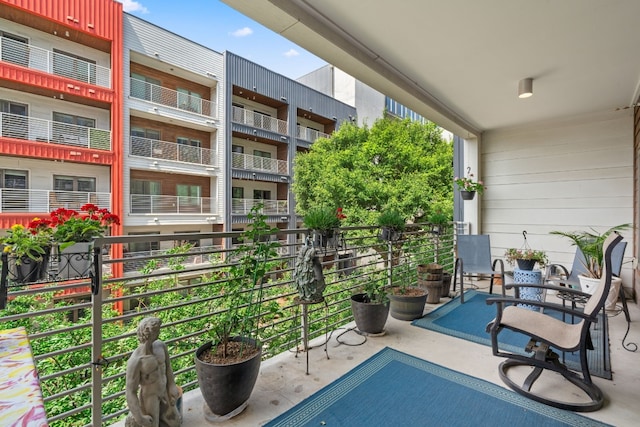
(469, 320)
(395, 389)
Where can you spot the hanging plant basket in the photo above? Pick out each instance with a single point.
(467, 195)
(526, 264)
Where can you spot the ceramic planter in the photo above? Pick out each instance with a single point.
(589, 285)
(370, 317)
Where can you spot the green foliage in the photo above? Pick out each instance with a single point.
(590, 243)
(513, 254)
(26, 242)
(375, 288)
(395, 164)
(392, 219)
(321, 218)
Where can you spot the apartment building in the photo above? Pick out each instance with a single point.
(60, 107)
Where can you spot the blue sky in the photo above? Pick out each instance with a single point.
(219, 27)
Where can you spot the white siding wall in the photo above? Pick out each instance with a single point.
(567, 175)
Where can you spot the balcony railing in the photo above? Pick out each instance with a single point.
(15, 200)
(271, 207)
(258, 163)
(32, 129)
(152, 204)
(259, 120)
(155, 149)
(310, 134)
(30, 56)
(172, 98)
(81, 363)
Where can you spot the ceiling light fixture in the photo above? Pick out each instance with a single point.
(525, 88)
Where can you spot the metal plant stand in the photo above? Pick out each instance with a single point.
(305, 324)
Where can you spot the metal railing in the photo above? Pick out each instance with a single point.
(82, 332)
(29, 56)
(258, 163)
(16, 200)
(309, 134)
(259, 120)
(32, 129)
(156, 149)
(147, 203)
(271, 207)
(172, 98)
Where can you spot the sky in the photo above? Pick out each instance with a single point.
(215, 25)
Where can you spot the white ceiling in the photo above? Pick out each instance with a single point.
(458, 62)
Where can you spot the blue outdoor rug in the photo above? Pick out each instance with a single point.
(469, 320)
(395, 389)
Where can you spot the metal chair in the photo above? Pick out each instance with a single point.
(474, 257)
(547, 331)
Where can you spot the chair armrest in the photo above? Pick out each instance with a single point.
(571, 291)
(542, 304)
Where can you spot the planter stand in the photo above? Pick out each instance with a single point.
(305, 324)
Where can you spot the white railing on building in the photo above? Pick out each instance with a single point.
(195, 255)
(146, 203)
(172, 98)
(309, 134)
(258, 163)
(165, 150)
(30, 56)
(271, 207)
(259, 120)
(32, 129)
(16, 200)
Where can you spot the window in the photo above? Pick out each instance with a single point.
(74, 66)
(15, 124)
(143, 194)
(15, 49)
(71, 129)
(14, 195)
(190, 101)
(262, 194)
(74, 183)
(144, 246)
(237, 149)
(74, 120)
(259, 162)
(146, 88)
(188, 197)
(237, 192)
(142, 143)
(145, 133)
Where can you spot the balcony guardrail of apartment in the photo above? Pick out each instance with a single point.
(270, 207)
(259, 120)
(165, 150)
(172, 98)
(30, 56)
(38, 201)
(309, 134)
(32, 129)
(82, 332)
(258, 163)
(152, 204)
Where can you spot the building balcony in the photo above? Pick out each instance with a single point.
(29, 56)
(158, 204)
(258, 163)
(38, 201)
(165, 150)
(271, 207)
(172, 98)
(309, 134)
(82, 364)
(40, 130)
(259, 120)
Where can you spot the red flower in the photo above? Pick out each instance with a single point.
(340, 215)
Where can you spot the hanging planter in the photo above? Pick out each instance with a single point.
(467, 195)
(75, 261)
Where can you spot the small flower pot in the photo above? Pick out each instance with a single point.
(467, 195)
(526, 264)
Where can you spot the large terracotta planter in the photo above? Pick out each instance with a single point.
(370, 317)
(226, 388)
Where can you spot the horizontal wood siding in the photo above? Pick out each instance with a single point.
(169, 132)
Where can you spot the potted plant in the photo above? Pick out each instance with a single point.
(590, 244)
(468, 187)
(228, 367)
(406, 302)
(392, 225)
(28, 249)
(323, 222)
(74, 232)
(526, 258)
(370, 307)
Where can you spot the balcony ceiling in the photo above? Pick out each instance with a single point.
(458, 62)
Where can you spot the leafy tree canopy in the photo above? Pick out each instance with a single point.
(395, 164)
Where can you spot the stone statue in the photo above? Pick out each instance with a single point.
(308, 275)
(149, 369)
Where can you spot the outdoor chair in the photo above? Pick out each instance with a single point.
(547, 331)
(474, 258)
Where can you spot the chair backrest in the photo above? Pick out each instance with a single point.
(475, 252)
(597, 300)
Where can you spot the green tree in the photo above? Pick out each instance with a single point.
(395, 164)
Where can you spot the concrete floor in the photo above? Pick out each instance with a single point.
(283, 383)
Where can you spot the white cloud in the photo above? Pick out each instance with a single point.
(291, 53)
(133, 6)
(242, 32)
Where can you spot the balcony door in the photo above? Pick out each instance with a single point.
(189, 198)
(144, 196)
(15, 193)
(71, 129)
(15, 120)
